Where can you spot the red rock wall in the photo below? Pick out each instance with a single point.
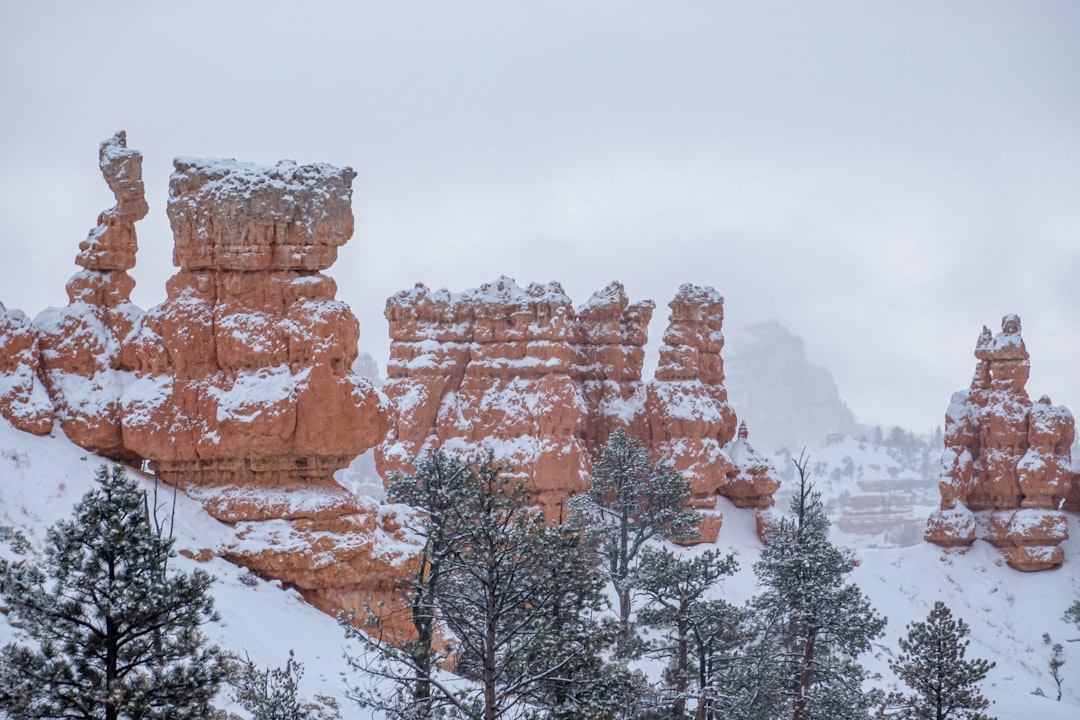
(525, 374)
(243, 373)
(1006, 470)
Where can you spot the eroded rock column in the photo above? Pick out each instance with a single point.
(1006, 469)
(83, 365)
(245, 395)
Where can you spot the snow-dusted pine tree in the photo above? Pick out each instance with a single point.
(522, 601)
(274, 693)
(114, 634)
(631, 500)
(817, 621)
(515, 601)
(945, 685)
(695, 633)
(410, 659)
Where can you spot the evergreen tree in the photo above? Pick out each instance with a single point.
(1073, 614)
(696, 632)
(816, 622)
(630, 501)
(115, 635)
(274, 693)
(440, 482)
(932, 664)
(518, 600)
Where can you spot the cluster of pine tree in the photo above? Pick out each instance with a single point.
(516, 606)
(503, 616)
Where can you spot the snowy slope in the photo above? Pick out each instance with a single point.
(42, 478)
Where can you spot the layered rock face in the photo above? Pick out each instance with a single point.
(244, 373)
(541, 384)
(244, 393)
(508, 368)
(1006, 469)
(23, 399)
(83, 364)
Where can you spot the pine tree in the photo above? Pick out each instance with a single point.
(932, 664)
(816, 622)
(274, 693)
(115, 634)
(440, 482)
(696, 632)
(518, 600)
(1072, 614)
(630, 501)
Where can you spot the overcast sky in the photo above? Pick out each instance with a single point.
(883, 178)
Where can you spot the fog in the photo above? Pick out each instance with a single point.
(884, 178)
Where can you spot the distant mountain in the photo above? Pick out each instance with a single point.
(786, 400)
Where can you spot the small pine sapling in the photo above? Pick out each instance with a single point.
(932, 662)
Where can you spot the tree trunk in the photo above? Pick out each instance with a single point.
(682, 663)
(490, 648)
(621, 589)
(805, 675)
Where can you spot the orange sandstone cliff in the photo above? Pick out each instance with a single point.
(1006, 469)
(523, 373)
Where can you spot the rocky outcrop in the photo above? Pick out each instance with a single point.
(688, 415)
(541, 384)
(1006, 469)
(83, 365)
(23, 400)
(752, 480)
(244, 372)
(492, 368)
(244, 393)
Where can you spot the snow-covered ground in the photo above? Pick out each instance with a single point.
(41, 478)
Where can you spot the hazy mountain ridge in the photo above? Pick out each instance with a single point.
(787, 400)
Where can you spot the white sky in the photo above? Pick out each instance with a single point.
(884, 178)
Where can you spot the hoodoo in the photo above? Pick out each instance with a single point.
(244, 394)
(1006, 469)
(83, 361)
(523, 373)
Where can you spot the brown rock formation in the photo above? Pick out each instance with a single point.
(491, 368)
(542, 384)
(1006, 469)
(244, 372)
(752, 479)
(23, 400)
(82, 363)
(244, 393)
(689, 418)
